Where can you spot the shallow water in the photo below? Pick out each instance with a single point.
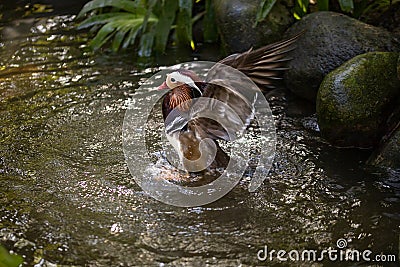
(67, 197)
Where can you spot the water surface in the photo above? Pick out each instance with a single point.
(67, 197)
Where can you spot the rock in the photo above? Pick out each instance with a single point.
(356, 101)
(386, 15)
(236, 19)
(330, 40)
(398, 67)
(388, 155)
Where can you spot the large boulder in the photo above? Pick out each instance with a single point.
(236, 20)
(330, 40)
(355, 102)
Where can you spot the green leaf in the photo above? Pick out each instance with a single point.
(118, 38)
(210, 31)
(146, 44)
(130, 39)
(303, 4)
(102, 36)
(105, 18)
(127, 5)
(186, 4)
(149, 8)
(9, 260)
(346, 5)
(184, 22)
(300, 8)
(323, 5)
(163, 27)
(263, 10)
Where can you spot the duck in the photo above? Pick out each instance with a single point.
(196, 138)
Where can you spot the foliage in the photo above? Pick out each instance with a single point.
(356, 8)
(150, 24)
(146, 22)
(265, 8)
(9, 260)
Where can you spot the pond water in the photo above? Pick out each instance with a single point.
(67, 197)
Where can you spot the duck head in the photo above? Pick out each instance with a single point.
(181, 77)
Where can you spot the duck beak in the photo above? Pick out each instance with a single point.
(163, 86)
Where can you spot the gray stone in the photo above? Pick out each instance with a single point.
(398, 67)
(356, 101)
(388, 155)
(236, 20)
(330, 40)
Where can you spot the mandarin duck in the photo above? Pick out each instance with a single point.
(193, 135)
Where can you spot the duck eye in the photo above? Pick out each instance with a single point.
(173, 80)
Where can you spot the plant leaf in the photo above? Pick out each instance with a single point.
(146, 44)
(118, 38)
(300, 8)
(263, 10)
(102, 36)
(323, 5)
(346, 5)
(130, 39)
(105, 18)
(127, 5)
(149, 8)
(184, 22)
(9, 260)
(210, 31)
(163, 27)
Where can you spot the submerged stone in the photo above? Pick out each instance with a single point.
(330, 40)
(356, 101)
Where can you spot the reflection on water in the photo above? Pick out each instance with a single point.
(67, 196)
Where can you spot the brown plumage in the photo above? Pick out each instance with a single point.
(185, 131)
(264, 65)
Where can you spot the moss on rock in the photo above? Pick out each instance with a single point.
(329, 41)
(355, 100)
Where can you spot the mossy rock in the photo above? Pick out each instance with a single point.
(330, 39)
(355, 101)
(236, 24)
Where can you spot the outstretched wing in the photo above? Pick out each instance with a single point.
(263, 65)
(222, 112)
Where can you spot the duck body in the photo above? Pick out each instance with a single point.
(197, 114)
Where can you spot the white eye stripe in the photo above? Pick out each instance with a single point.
(176, 76)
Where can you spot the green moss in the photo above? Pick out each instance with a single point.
(354, 99)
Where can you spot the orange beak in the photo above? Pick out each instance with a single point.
(163, 86)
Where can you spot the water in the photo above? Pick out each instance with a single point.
(67, 197)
